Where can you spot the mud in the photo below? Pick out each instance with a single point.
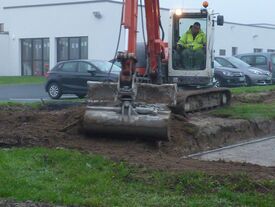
(25, 127)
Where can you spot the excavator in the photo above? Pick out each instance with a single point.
(141, 103)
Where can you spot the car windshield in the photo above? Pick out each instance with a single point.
(239, 63)
(216, 64)
(106, 66)
(224, 62)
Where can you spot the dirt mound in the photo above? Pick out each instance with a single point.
(25, 127)
(263, 97)
(204, 132)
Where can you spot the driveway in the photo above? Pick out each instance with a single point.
(25, 93)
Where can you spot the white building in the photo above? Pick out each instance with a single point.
(35, 34)
(234, 38)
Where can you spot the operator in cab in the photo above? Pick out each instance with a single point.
(192, 46)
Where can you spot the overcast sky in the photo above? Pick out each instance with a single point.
(241, 11)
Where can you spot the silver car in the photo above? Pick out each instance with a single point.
(253, 76)
(262, 60)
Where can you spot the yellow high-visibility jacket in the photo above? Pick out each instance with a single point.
(187, 40)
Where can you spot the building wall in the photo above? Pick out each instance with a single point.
(5, 69)
(77, 19)
(244, 37)
(67, 21)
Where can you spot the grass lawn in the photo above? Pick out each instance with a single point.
(40, 104)
(247, 111)
(252, 89)
(34, 105)
(69, 177)
(11, 80)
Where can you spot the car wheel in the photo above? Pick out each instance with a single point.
(54, 90)
(248, 81)
(80, 95)
(218, 82)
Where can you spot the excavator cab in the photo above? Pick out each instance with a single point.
(191, 63)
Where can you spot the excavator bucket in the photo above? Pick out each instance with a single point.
(147, 117)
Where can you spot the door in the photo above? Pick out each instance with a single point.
(84, 76)
(68, 77)
(261, 62)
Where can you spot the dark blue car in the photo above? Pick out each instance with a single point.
(70, 77)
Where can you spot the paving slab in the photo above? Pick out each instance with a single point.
(260, 152)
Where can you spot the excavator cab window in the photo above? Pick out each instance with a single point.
(189, 42)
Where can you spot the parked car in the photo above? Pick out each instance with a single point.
(115, 62)
(228, 77)
(253, 76)
(70, 77)
(263, 60)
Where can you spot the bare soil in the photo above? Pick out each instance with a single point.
(25, 127)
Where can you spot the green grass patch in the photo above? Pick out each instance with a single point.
(34, 105)
(247, 111)
(12, 80)
(252, 89)
(72, 178)
(41, 104)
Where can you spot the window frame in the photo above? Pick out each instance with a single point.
(234, 51)
(32, 59)
(257, 50)
(68, 55)
(222, 52)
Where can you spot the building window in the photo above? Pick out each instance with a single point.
(256, 50)
(35, 56)
(2, 27)
(271, 50)
(234, 51)
(72, 48)
(222, 52)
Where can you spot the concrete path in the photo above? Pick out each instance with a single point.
(259, 152)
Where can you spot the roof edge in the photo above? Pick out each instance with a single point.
(66, 3)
